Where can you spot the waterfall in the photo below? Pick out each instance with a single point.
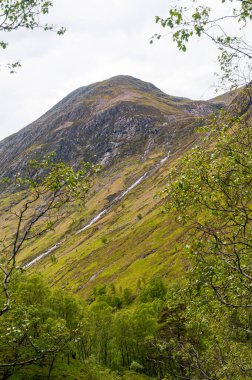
(30, 263)
(102, 213)
(92, 221)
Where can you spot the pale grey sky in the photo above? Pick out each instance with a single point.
(104, 38)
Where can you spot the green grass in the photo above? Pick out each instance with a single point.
(117, 249)
(120, 248)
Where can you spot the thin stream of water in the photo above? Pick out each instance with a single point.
(101, 214)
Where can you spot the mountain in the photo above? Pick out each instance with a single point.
(104, 122)
(122, 235)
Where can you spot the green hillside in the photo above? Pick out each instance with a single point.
(146, 277)
(134, 240)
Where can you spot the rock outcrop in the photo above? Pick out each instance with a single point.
(104, 122)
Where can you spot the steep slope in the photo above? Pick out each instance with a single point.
(134, 240)
(102, 122)
(137, 132)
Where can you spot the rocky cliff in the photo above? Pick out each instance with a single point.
(103, 122)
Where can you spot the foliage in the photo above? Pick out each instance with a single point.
(226, 28)
(17, 14)
(186, 335)
(46, 327)
(212, 191)
(154, 290)
(45, 191)
(38, 327)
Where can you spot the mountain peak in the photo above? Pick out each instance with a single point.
(120, 80)
(103, 122)
(117, 82)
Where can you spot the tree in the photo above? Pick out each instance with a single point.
(210, 194)
(42, 326)
(156, 289)
(228, 28)
(43, 193)
(211, 191)
(17, 14)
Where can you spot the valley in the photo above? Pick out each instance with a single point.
(137, 133)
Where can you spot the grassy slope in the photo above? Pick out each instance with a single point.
(135, 240)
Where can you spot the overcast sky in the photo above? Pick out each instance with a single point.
(104, 38)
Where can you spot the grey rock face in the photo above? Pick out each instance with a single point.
(103, 122)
